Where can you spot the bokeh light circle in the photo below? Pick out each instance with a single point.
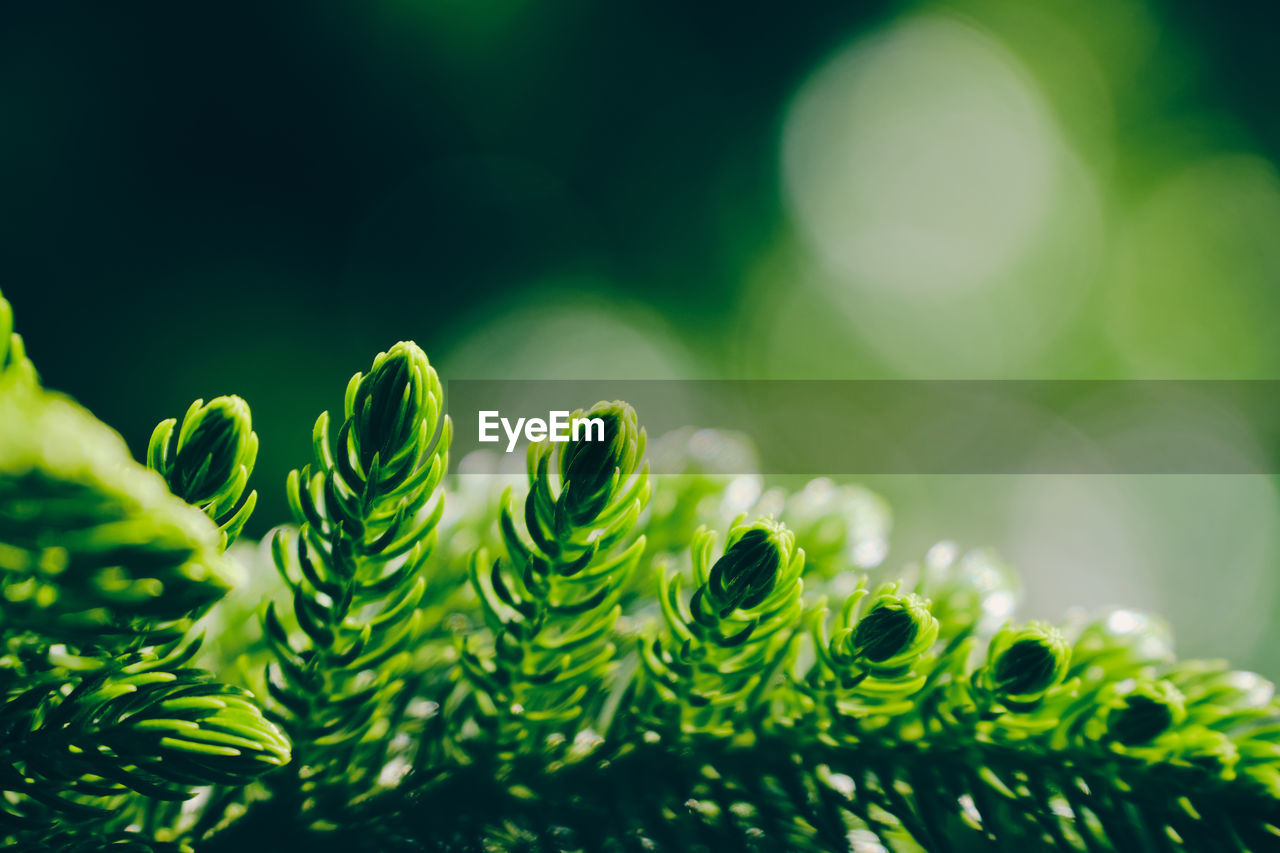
(939, 212)
(921, 159)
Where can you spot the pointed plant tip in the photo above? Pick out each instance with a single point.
(619, 409)
(215, 441)
(894, 631)
(391, 404)
(621, 425)
(232, 407)
(767, 529)
(754, 558)
(1024, 663)
(396, 376)
(407, 349)
(404, 354)
(598, 463)
(1143, 711)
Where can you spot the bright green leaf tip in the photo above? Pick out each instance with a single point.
(101, 534)
(208, 458)
(1024, 663)
(1144, 711)
(754, 559)
(395, 407)
(894, 631)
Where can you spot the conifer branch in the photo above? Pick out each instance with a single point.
(782, 703)
(551, 602)
(102, 572)
(354, 571)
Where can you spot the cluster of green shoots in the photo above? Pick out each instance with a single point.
(586, 658)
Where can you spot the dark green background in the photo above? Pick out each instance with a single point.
(255, 198)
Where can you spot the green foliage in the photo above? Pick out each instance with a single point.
(140, 722)
(550, 678)
(551, 604)
(869, 666)
(1023, 665)
(207, 461)
(13, 356)
(92, 546)
(103, 572)
(718, 653)
(354, 569)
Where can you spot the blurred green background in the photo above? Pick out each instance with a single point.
(256, 198)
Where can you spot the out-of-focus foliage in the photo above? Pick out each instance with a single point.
(94, 546)
(102, 573)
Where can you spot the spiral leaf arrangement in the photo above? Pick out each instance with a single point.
(354, 571)
(774, 706)
(869, 665)
(713, 663)
(551, 604)
(207, 461)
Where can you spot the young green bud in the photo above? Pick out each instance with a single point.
(754, 558)
(591, 468)
(1214, 752)
(216, 441)
(893, 633)
(719, 657)
(367, 509)
(1025, 663)
(395, 409)
(208, 459)
(1144, 711)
